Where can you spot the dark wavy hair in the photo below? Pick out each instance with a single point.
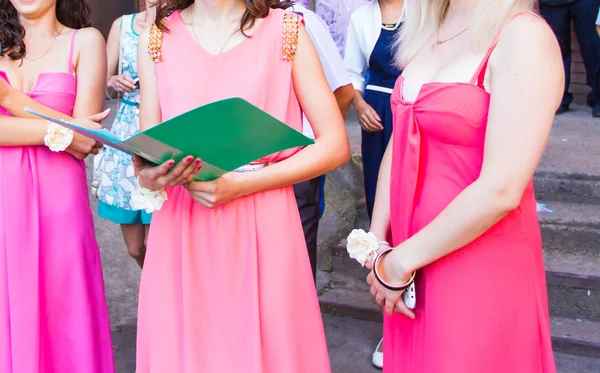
(71, 13)
(254, 9)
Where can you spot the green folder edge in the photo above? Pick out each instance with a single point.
(258, 124)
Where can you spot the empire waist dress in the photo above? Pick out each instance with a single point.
(484, 307)
(229, 289)
(53, 316)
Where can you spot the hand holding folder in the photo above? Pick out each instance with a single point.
(225, 135)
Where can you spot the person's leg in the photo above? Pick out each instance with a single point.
(135, 240)
(584, 13)
(307, 198)
(559, 19)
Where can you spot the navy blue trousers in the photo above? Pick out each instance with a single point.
(582, 13)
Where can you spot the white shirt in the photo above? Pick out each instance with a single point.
(333, 65)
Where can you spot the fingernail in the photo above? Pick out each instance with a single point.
(190, 159)
(107, 110)
(199, 168)
(198, 161)
(171, 163)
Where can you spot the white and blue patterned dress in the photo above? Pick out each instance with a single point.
(118, 178)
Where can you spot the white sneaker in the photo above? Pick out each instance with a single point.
(378, 355)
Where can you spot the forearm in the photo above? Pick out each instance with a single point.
(15, 103)
(329, 152)
(358, 99)
(380, 221)
(475, 210)
(22, 131)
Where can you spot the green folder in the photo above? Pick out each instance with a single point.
(226, 135)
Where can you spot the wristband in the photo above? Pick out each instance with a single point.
(380, 278)
(58, 138)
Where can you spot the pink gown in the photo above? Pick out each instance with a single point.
(229, 289)
(483, 308)
(53, 315)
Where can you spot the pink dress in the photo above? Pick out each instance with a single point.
(483, 308)
(229, 289)
(53, 316)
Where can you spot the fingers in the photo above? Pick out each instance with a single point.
(402, 308)
(138, 161)
(188, 174)
(100, 116)
(127, 83)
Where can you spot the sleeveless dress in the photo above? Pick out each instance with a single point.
(118, 179)
(229, 289)
(483, 308)
(53, 315)
(382, 74)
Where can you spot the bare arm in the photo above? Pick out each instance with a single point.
(526, 88)
(150, 114)
(344, 96)
(91, 72)
(112, 48)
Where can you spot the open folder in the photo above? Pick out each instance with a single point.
(226, 135)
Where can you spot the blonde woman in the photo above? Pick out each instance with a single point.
(472, 114)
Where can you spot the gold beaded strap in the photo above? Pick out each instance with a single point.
(155, 41)
(291, 23)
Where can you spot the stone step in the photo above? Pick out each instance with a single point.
(349, 296)
(573, 228)
(567, 187)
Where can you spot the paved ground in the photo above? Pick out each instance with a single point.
(350, 341)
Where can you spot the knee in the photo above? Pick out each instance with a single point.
(136, 251)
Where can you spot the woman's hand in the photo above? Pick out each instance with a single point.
(368, 118)
(382, 246)
(165, 175)
(217, 192)
(82, 146)
(388, 299)
(121, 83)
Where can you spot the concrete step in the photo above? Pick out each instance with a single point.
(344, 292)
(573, 228)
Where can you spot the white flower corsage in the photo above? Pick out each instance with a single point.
(58, 138)
(147, 199)
(362, 246)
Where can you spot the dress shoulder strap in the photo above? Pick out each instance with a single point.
(71, 51)
(479, 76)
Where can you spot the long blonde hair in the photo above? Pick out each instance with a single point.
(425, 17)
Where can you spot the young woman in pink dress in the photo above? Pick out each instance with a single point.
(53, 315)
(227, 285)
(472, 114)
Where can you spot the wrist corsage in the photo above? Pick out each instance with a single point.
(362, 246)
(58, 138)
(147, 199)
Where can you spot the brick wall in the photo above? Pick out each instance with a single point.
(578, 86)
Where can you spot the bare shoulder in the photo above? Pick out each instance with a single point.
(530, 35)
(89, 39)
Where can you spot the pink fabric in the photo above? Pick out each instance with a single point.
(53, 315)
(229, 290)
(484, 307)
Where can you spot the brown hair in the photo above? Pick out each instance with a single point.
(71, 13)
(254, 9)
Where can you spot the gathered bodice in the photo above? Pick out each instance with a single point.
(438, 150)
(56, 90)
(53, 89)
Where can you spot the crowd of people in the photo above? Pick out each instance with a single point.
(455, 99)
